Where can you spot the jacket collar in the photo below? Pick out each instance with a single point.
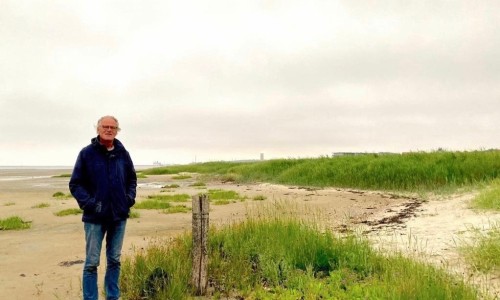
(118, 146)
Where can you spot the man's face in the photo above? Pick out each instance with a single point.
(107, 130)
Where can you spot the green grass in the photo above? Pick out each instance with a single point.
(198, 184)
(177, 209)
(41, 205)
(152, 204)
(68, 212)
(204, 168)
(489, 198)
(14, 223)
(422, 172)
(170, 198)
(222, 202)
(259, 198)
(141, 175)
(414, 172)
(483, 251)
(134, 214)
(163, 202)
(61, 196)
(219, 195)
(278, 256)
(65, 175)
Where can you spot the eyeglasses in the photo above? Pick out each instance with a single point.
(107, 127)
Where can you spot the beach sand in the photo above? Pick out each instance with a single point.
(45, 261)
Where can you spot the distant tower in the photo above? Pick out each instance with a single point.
(262, 156)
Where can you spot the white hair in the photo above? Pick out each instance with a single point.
(106, 117)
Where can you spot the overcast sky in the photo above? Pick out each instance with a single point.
(226, 80)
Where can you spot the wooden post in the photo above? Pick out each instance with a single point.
(200, 236)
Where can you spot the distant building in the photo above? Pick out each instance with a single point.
(346, 153)
(360, 153)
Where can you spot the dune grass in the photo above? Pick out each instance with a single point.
(61, 196)
(68, 212)
(415, 171)
(141, 175)
(41, 205)
(276, 255)
(14, 223)
(483, 251)
(392, 277)
(223, 197)
(220, 194)
(152, 204)
(159, 201)
(64, 175)
(177, 209)
(170, 198)
(489, 198)
(134, 214)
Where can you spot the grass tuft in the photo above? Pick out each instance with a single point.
(170, 198)
(65, 175)
(219, 194)
(14, 223)
(68, 212)
(134, 214)
(141, 175)
(177, 209)
(152, 204)
(488, 198)
(483, 252)
(61, 196)
(259, 198)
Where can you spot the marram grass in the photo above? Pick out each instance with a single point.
(68, 212)
(489, 198)
(170, 198)
(482, 252)
(276, 255)
(414, 171)
(14, 223)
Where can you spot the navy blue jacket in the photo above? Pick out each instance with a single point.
(104, 182)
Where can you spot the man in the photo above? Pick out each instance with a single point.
(104, 184)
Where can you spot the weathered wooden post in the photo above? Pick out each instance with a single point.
(200, 237)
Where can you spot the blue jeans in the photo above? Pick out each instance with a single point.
(94, 235)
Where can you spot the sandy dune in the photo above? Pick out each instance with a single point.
(45, 262)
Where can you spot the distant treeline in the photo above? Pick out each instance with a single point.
(411, 171)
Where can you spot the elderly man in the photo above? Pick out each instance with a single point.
(104, 184)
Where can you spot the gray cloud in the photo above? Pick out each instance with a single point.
(229, 80)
